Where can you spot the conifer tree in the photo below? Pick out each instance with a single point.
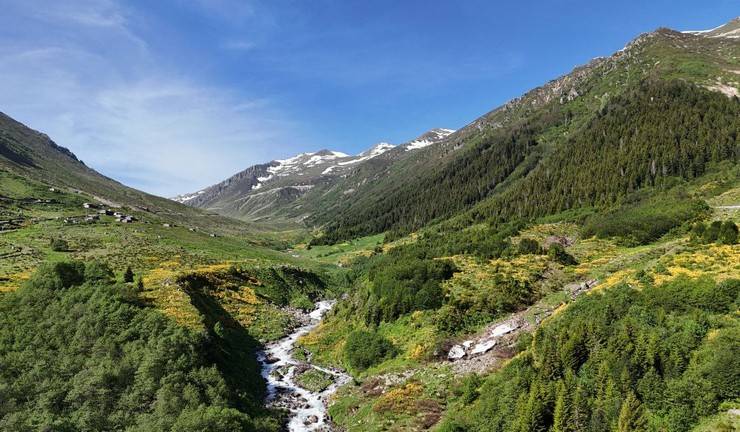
(561, 416)
(128, 275)
(631, 415)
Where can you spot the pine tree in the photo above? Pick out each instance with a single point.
(140, 284)
(580, 410)
(128, 275)
(561, 417)
(631, 416)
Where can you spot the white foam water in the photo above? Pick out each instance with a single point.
(308, 411)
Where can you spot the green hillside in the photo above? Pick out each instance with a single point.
(644, 108)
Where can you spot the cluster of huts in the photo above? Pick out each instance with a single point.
(120, 217)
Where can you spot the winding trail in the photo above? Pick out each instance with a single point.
(308, 409)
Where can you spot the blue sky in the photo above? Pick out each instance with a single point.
(172, 95)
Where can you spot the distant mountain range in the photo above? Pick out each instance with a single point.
(276, 188)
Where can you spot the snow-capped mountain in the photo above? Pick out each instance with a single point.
(729, 30)
(262, 190)
(429, 138)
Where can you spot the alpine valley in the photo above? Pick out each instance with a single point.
(568, 261)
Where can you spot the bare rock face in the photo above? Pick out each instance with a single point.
(457, 352)
(483, 347)
(311, 420)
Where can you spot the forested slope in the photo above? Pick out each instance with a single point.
(650, 112)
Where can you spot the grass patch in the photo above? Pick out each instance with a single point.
(314, 380)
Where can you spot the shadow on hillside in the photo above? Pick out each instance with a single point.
(231, 349)
(7, 152)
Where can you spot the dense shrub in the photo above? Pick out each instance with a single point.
(721, 232)
(128, 275)
(401, 284)
(557, 252)
(711, 234)
(728, 233)
(364, 349)
(529, 246)
(76, 355)
(59, 275)
(645, 221)
(621, 359)
(97, 271)
(59, 245)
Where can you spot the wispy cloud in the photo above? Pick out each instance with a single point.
(106, 97)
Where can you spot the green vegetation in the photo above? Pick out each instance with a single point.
(81, 353)
(364, 349)
(686, 127)
(402, 284)
(720, 232)
(128, 275)
(529, 246)
(653, 134)
(604, 224)
(59, 245)
(621, 360)
(557, 252)
(314, 380)
(645, 221)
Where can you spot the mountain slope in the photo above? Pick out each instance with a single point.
(292, 189)
(31, 154)
(495, 152)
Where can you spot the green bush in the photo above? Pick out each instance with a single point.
(60, 275)
(364, 349)
(557, 252)
(59, 245)
(728, 233)
(402, 283)
(97, 271)
(711, 234)
(529, 246)
(721, 232)
(128, 275)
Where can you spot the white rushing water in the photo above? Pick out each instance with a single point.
(308, 408)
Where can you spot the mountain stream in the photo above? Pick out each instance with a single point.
(308, 409)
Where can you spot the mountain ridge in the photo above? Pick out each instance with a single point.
(263, 189)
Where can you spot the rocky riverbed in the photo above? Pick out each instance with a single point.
(308, 408)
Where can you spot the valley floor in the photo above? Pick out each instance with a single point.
(420, 386)
(243, 296)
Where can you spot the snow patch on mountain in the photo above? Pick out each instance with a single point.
(375, 151)
(429, 138)
(185, 198)
(703, 31)
(730, 30)
(285, 167)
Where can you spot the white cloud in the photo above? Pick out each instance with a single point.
(122, 112)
